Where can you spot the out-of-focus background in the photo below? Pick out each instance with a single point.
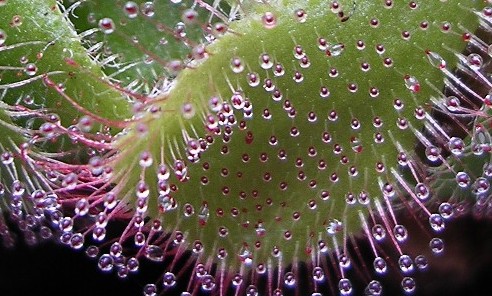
(465, 268)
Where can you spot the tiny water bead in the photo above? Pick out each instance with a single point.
(148, 9)
(269, 20)
(408, 284)
(131, 9)
(107, 25)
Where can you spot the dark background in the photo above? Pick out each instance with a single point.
(50, 269)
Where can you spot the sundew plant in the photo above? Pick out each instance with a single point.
(248, 147)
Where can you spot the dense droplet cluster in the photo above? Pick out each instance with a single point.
(255, 159)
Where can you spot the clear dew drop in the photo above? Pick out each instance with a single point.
(378, 232)
(237, 280)
(452, 103)
(260, 230)
(7, 158)
(436, 60)
(66, 224)
(278, 70)
(200, 270)
(85, 123)
(64, 238)
(237, 65)
(189, 16)
(300, 15)
(142, 190)
(345, 287)
(180, 31)
(208, 283)
(436, 245)
(421, 262)
(219, 29)
(245, 256)
(150, 290)
(289, 279)
(334, 226)
(99, 233)
(481, 186)
(132, 264)
(28, 99)
(16, 21)
(154, 253)
(77, 241)
(260, 268)
(110, 200)
(456, 146)
(422, 191)
(298, 77)
(400, 233)
(475, 61)
(324, 92)
(237, 100)
(96, 166)
(82, 207)
(197, 247)
(487, 170)
(344, 261)
(253, 79)
(412, 83)
(188, 110)
(221, 254)
(265, 61)
(105, 263)
(2, 191)
(408, 285)
(318, 274)
(91, 18)
(168, 279)
(304, 62)
(446, 210)
(463, 179)
(131, 9)
(481, 137)
(203, 215)
(122, 271)
(406, 263)
(92, 251)
(269, 20)
(45, 232)
(30, 69)
(432, 153)
(148, 9)
(145, 160)
(335, 49)
(139, 239)
(374, 288)
(380, 265)
(251, 290)
(166, 203)
(436, 222)
(215, 105)
(116, 249)
(107, 25)
(331, 229)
